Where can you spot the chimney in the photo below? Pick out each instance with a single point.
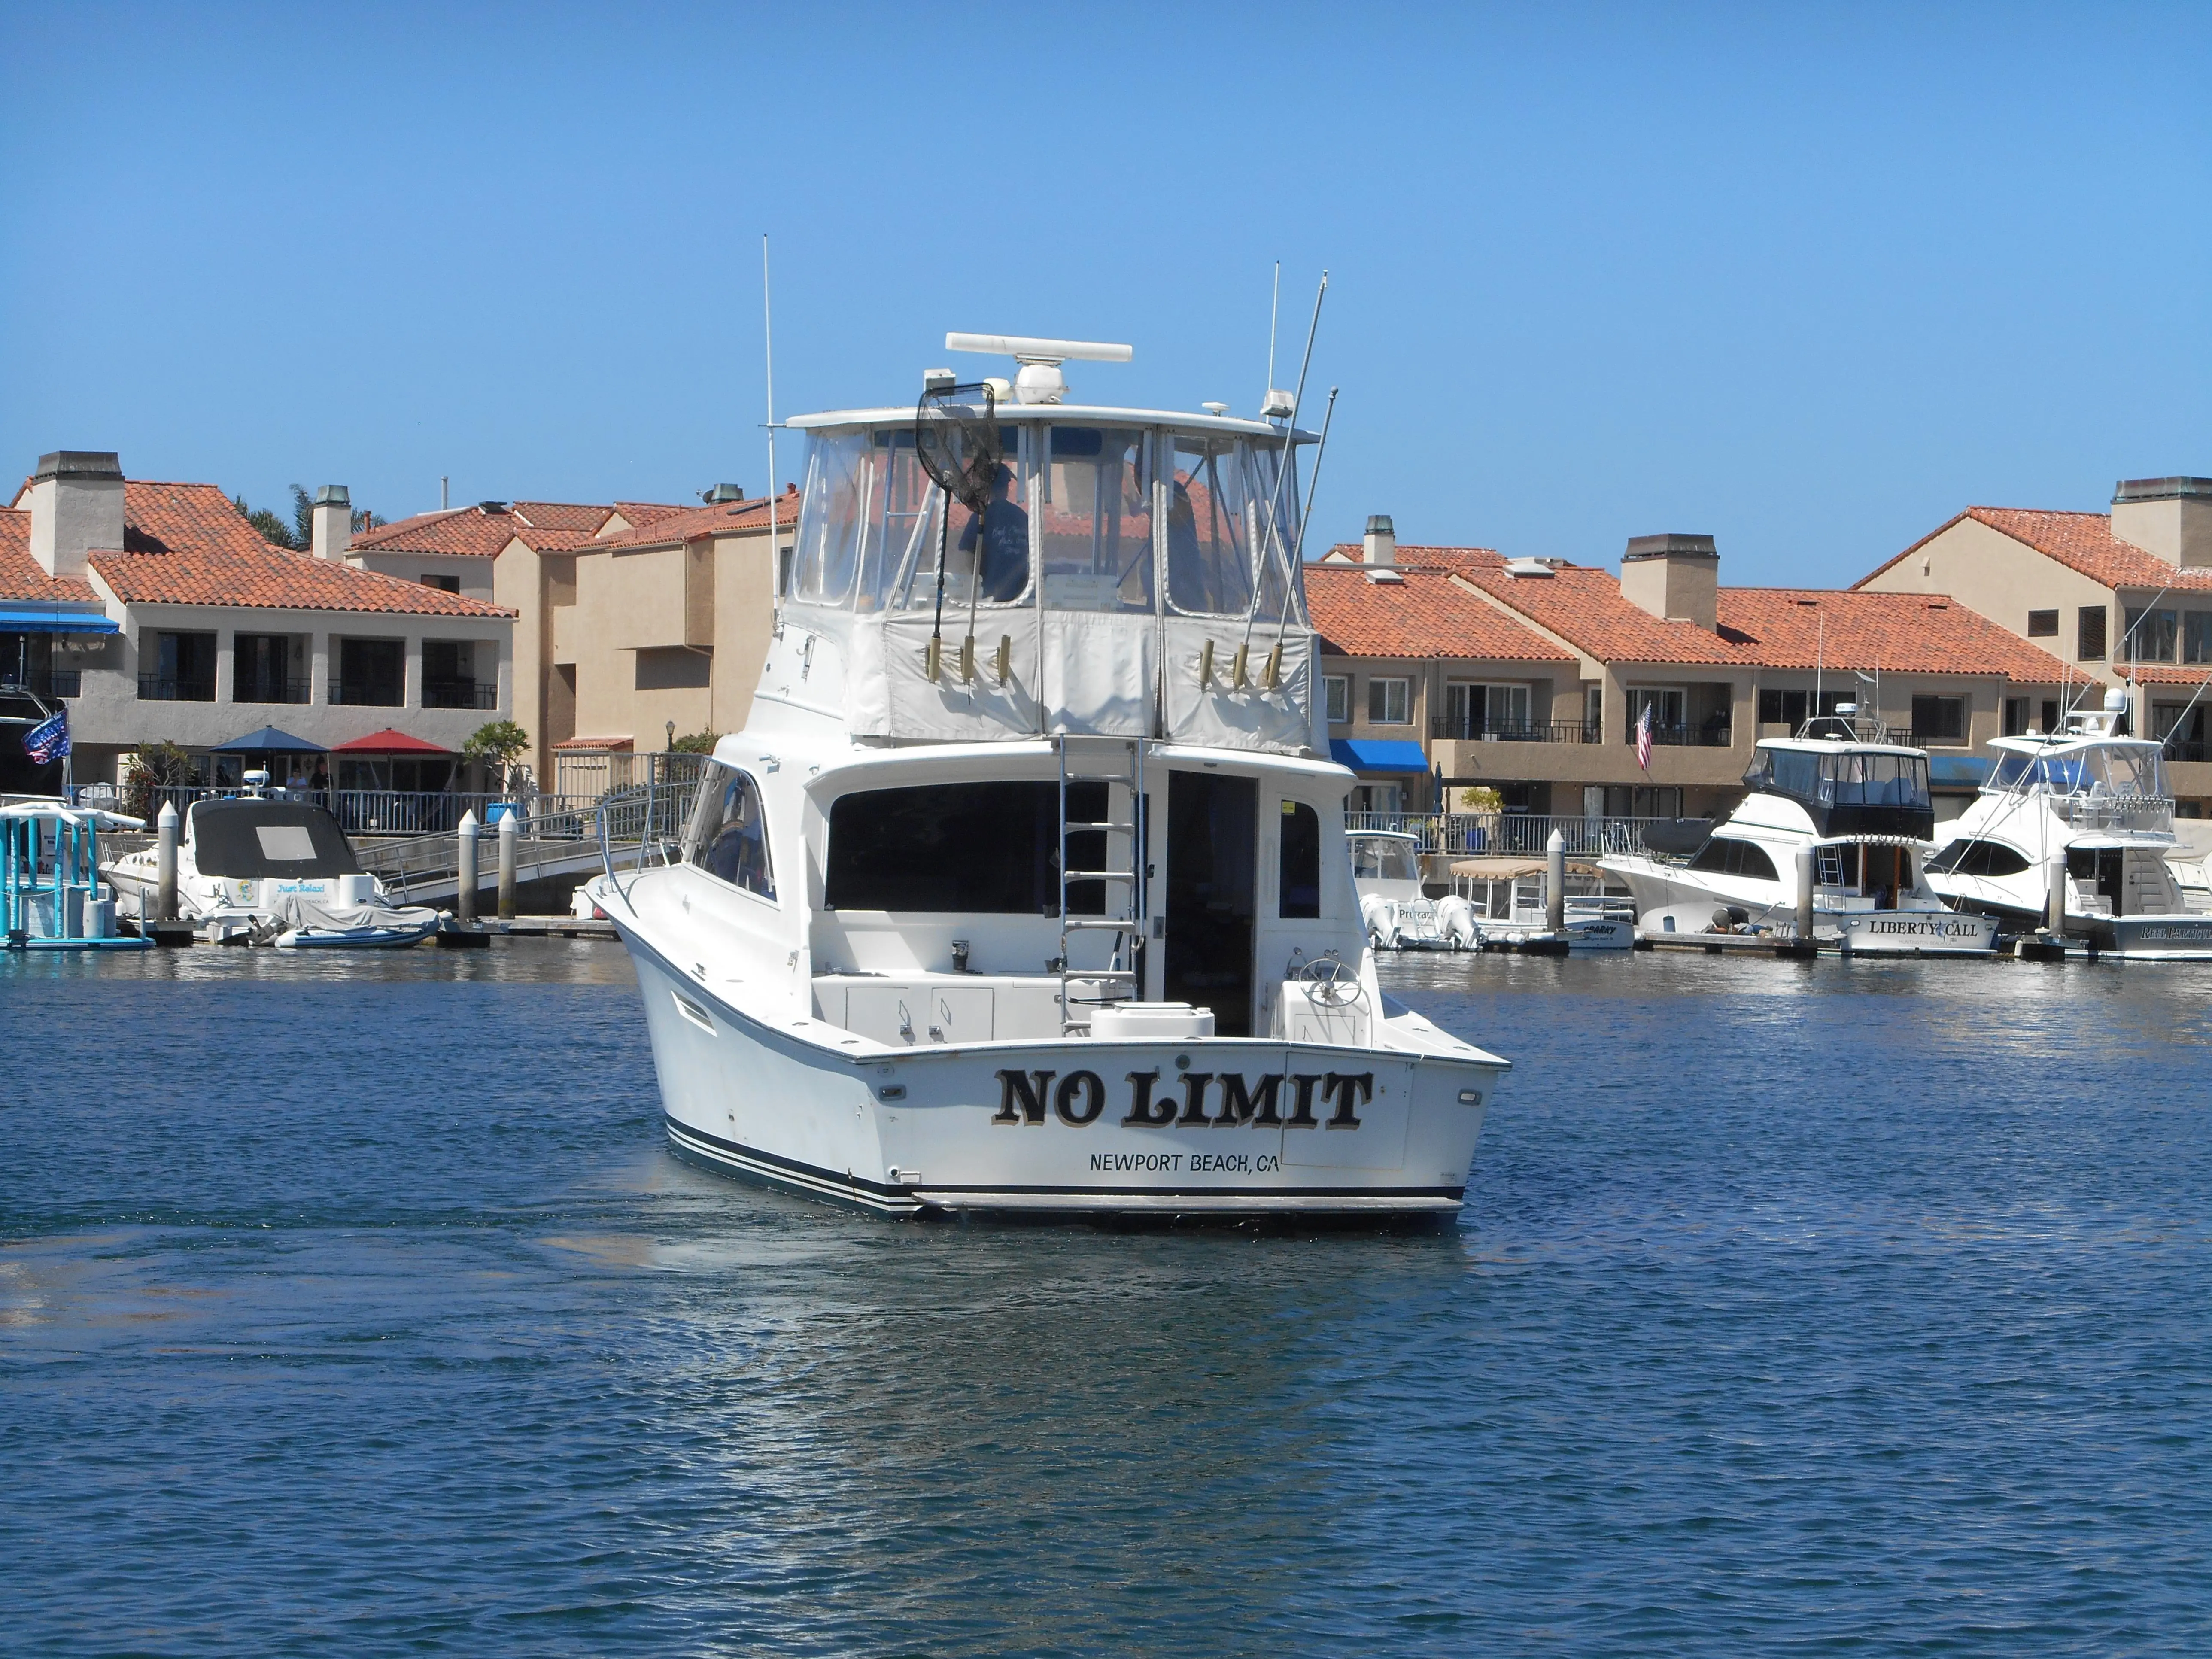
(1676, 577)
(2170, 518)
(333, 522)
(724, 492)
(1382, 540)
(77, 508)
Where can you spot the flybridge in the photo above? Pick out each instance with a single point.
(1096, 570)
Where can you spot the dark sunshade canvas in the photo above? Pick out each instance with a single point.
(242, 838)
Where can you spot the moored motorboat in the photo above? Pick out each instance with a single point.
(253, 869)
(1838, 815)
(1499, 900)
(1023, 889)
(1386, 871)
(2084, 811)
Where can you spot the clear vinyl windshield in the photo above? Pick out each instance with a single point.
(1105, 517)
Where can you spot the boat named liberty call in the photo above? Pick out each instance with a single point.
(1023, 888)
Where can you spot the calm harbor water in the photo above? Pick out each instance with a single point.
(355, 1306)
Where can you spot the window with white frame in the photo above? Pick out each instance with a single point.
(1337, 689)
(1390, 701)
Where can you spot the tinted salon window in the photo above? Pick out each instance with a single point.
(729, 839)
(1300, 894)
(975, 849)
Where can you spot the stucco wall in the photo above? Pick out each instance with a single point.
(109, 715)
(1990, 573)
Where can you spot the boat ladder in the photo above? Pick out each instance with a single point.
(1101, 804)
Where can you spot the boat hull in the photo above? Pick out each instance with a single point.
(2184, 938)
(1915, 933)
(1202, 1127)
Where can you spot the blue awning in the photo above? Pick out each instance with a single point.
(1956, 771)
(18, 619)
(1377, 755)
(267, 741)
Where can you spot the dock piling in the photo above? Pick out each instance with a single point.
(465, 891)
(1804, 860)
(510, 833)
(165, 863)
(1555, 884)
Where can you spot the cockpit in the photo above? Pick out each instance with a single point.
(2121, 770)
(1129, 519)
(1848, 791)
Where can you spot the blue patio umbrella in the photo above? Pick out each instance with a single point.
(267, 741)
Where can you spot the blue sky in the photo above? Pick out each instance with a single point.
(1811, 279)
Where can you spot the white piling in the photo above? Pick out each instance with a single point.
(165, 863)
(1555, 883)
(2054, 903)
(1805, 886)
(464, 892)
(510, 833)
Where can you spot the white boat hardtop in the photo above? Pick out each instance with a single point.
(2095, 800)
(1842, 804)
(1024, 886)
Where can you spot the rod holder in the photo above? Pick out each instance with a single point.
(967, 660)
(933, 658)
(1206, 663)
(1275, 677)
(1237, 679)
(1006, 664)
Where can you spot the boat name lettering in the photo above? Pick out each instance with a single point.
(1959, 929)
(1080, 1099)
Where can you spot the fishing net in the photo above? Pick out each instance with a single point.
(958, 445)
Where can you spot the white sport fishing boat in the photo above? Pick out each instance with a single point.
(1386, 873)
(1857, 803)
(255, 870)
(1023, 889)
(2097, 800)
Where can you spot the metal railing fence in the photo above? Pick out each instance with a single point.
(1469, 834)
(1449, 728)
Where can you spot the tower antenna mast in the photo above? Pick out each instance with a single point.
(767, 333)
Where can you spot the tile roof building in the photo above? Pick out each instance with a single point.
(632, 617)
(2123, 598)
(1529, 677)
(152, 611)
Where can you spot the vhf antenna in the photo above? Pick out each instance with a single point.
(1274, 313)
(767, 333)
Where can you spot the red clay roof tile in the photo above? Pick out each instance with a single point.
(2080, 541)
(21, 576)
(1422, 615)
(186, 543)
(1896, 633)
(715, 518)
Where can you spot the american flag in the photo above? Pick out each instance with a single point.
(49, 739)
(1644, 739)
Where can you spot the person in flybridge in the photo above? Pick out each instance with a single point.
(1005, 531)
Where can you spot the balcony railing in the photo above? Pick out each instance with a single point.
(459, 694)
(154, 688)
(1709, 735)
(1469, 835)
(366, 694)
(2177, 749)
(271, 688)
(1449, 728)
